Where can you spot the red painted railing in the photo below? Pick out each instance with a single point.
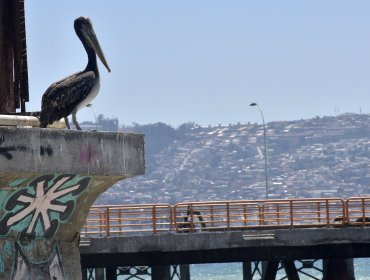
(189, 217)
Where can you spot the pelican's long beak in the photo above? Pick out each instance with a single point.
(93, 40)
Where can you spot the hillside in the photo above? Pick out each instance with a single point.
(319, 157)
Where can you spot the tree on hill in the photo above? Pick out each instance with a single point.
(107, 124)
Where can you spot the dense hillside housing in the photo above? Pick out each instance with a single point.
(319, 157)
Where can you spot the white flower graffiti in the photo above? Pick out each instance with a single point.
(41, 203)
(44, 196)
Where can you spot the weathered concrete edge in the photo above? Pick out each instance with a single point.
(41, 151)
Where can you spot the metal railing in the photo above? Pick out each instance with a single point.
(358, 211)
(128, 219)
(189, 217)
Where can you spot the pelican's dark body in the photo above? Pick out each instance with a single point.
(74, 92)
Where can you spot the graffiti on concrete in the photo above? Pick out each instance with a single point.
(8, 151)
(5, 151)
(38, 209)
(25, 269)
(46, 150)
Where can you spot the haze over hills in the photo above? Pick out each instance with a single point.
(319, 157)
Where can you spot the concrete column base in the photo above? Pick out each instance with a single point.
(48, 181)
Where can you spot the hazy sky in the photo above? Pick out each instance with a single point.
(205, 61)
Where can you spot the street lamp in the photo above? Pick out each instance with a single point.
(264, 143)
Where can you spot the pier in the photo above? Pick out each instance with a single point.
(274, 233)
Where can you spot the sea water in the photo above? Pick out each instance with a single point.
(234, 271)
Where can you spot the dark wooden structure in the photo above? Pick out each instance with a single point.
(13, 57)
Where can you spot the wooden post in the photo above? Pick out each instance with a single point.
(6, 58)
(13, 57)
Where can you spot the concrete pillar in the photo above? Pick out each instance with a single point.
(48, 181)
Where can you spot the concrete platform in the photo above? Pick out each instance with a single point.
(48, 181)
(41, 151)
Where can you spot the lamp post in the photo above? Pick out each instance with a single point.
(264, 143)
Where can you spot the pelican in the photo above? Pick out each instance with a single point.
(74, 92)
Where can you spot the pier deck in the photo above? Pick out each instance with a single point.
(228, 246)
(270, 231)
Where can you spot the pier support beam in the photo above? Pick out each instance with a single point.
(270, 269)
(185, 272)
(161, 272)
(338, 269)
(111, 273)
(247, 271)
(290, 270)
(252, 269)
(48, 181)
(99, 273)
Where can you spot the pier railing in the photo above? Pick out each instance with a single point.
(190, 217)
